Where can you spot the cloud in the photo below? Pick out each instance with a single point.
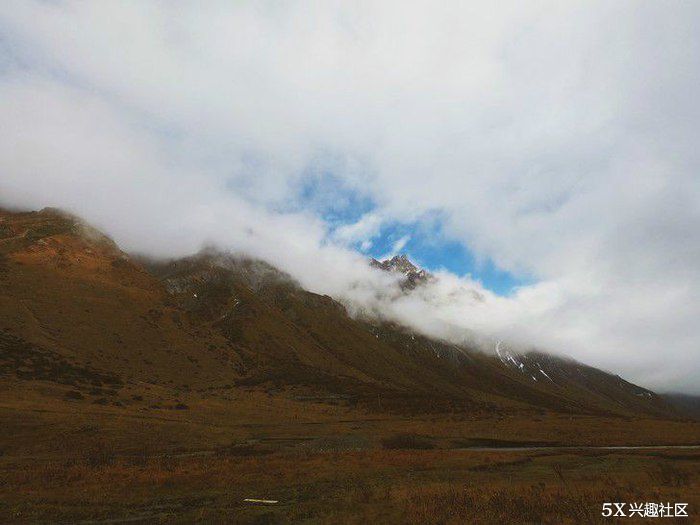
(399, 245)
(557, 140)
(362, 231)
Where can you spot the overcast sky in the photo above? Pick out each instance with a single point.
(543, 153)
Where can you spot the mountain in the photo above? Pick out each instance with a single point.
(684, 403)
(400, 264)
(81, 316)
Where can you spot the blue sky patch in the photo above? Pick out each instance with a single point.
(426, 245)
(424, 240)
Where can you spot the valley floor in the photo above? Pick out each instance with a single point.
(81, 461)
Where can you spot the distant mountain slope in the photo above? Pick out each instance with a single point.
(70, 297)
(684, 403)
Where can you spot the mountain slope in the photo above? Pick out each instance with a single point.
(68, 291)
(686, 404)
(215, 321)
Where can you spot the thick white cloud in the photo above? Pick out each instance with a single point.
(557, 139)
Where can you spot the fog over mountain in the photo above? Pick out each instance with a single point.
(556, 140)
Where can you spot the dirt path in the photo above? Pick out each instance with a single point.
(578, 447)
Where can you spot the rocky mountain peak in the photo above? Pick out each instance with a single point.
(402, 264)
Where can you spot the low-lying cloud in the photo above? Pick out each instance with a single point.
(558, 140)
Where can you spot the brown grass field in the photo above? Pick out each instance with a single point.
(65, 461)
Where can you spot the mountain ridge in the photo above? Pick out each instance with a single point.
(216, 320)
